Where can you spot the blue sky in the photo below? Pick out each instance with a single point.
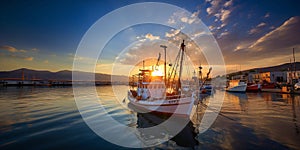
(44, 35)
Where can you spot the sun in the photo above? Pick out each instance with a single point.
(157, 73)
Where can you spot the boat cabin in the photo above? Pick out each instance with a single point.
(150, 85)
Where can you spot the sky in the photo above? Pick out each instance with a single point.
(44, 35)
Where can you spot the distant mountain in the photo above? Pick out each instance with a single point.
(60, 75)
(282, 67)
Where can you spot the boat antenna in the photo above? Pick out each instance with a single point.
(143, 64)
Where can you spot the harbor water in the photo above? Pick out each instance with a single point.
(48, 118)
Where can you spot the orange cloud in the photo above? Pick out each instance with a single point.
(28, 58)
(11, 49)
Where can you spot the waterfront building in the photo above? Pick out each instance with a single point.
(270, 77)
(292, 75)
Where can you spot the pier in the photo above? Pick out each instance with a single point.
(39, 82)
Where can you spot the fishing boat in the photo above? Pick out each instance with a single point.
(237, 86)
(207, 89)
(205, 84)
(270, 87)
(253, 87)
(156, 92)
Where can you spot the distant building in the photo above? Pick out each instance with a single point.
(278, 76)
(292, 75)
(271, 77)
(238, 77)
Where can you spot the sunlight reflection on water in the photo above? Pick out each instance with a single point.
(43, 118)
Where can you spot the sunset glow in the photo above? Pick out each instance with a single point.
(157, 73)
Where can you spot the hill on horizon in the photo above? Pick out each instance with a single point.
(281, 67)
(59, 75)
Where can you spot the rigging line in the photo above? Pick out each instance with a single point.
(188, 63)
(187, 66)
(174, 68)
(177, 65)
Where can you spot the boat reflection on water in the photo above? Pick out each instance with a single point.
(238, 100)
(185, 138)
(239, 96)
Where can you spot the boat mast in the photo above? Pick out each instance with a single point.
(165, 65)
(294, 63)
(180, 69)
(200, 73)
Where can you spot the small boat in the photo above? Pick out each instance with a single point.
(270, 87)
(253, 87)
(156, 93)
(297, 86)
(206, 86)
(236, 86)
(207, 89)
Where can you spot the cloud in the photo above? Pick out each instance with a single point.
(28, 58)
(285, 36)
(272, 27)
(209, 10)
(267, 15)
(215, 6)
(223, 34)
(151, 37)
(243, 45)
(200, 33)
(257, 29)
(171, 21)
(148, 36)
(228, 3)
(269, 49)
(261, 24)
(221, 10)
(224, 15)
(252, 31)
(150, 49)
(183, 17)
(11, 49)
(190, 19)
(172, 33)
(35, 49)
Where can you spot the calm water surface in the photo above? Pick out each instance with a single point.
(47, 118)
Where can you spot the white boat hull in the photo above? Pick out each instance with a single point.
(179, 107)
(238, 88)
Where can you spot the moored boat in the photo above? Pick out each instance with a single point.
(156, 93)
(253, 87)
(207, 89)
(236, 86)
(270, 87)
